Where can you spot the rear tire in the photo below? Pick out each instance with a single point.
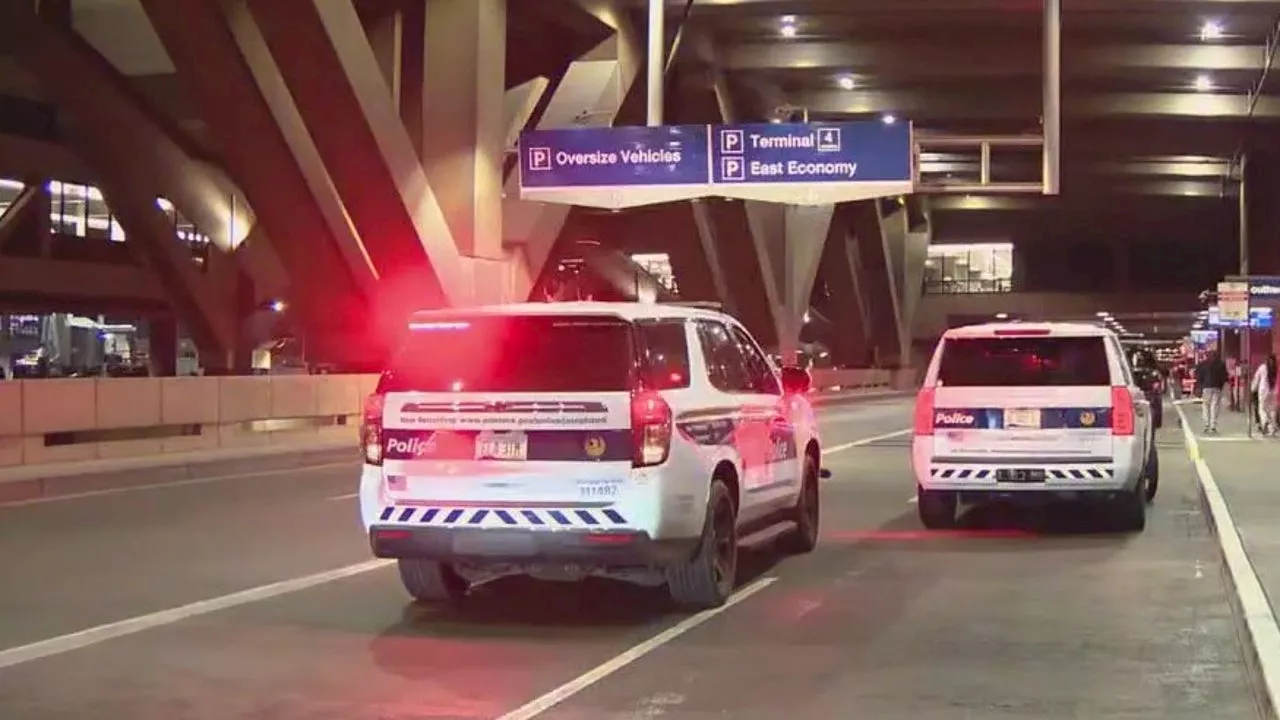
(1131, 510)
(707, 579)
(803, 538)
(432, 582)
(937, 508)
(1152, 473)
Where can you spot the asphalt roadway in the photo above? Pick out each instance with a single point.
(255, 598)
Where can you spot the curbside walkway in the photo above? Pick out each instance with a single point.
(1240, 493)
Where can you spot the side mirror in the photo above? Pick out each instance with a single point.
(795, 380)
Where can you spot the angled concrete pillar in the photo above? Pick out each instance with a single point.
(710, 243)
(160, 153)
(463, 118)
(252, 119)
(846, 307)
(135, 161)
(788, 241)
(590, 94)
(333, 76)
(24, 225)
(875, 280)
(905, 233)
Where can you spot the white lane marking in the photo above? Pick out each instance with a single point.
(348, 496)
(162, 485)
(1259, 617)
(110, 631)
(542, 704)
(864, 441)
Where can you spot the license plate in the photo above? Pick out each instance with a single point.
(1022, 418)
(1020, 475)
(495, 542)
(505, 446)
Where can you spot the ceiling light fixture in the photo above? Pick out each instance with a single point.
(845, 82)
(1210, 30)
(889, 119)
(788, 31)
(1203, 83)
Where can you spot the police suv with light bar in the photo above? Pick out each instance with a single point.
(1032, 411)
(561, 440)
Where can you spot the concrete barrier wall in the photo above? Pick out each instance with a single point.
(851, 379)
(79, 419)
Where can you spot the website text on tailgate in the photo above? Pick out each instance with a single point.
(454, 421)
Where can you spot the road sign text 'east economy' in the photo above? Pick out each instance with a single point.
(811, 153)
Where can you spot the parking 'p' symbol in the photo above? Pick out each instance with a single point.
(539, 158)
(733, 169)
(731, 142)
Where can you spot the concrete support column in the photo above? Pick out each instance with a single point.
(876, 281)
(162, 340)
(595, 86)
(847, 308)
(464, 118)
(789, 240)
(710, 243)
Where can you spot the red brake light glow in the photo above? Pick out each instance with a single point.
(1122, 420)
(924, 411)
(371, 429)
(651, 425)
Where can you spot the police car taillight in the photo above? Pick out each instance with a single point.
(1122, 420)
(371, 429)
(924, 411)
(651, 423)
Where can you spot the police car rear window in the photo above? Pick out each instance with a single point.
(492, 354)
(1023, 361)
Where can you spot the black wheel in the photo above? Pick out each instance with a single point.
(1131, 510)
(1152, 475)
(706, 579)
(937, 508)
(432, 582)
(803, 538)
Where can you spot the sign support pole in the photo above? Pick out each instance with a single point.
(1246, 376)
(1052, 121)
(656, 61)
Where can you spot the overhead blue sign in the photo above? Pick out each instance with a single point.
(811, 153)
(802, 164)
(614, 157)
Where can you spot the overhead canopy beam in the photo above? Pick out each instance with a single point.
(957, 104)
(920, 58)
(967, 164)
(1116, 6)
(1171, 190)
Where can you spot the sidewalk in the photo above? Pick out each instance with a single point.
(30, 482)
(1240, 489)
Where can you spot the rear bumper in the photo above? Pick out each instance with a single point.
(1058, 478)
(1037, 496)
(479, 546)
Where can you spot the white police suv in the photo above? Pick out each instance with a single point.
(1032, 411)
(561, 440)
